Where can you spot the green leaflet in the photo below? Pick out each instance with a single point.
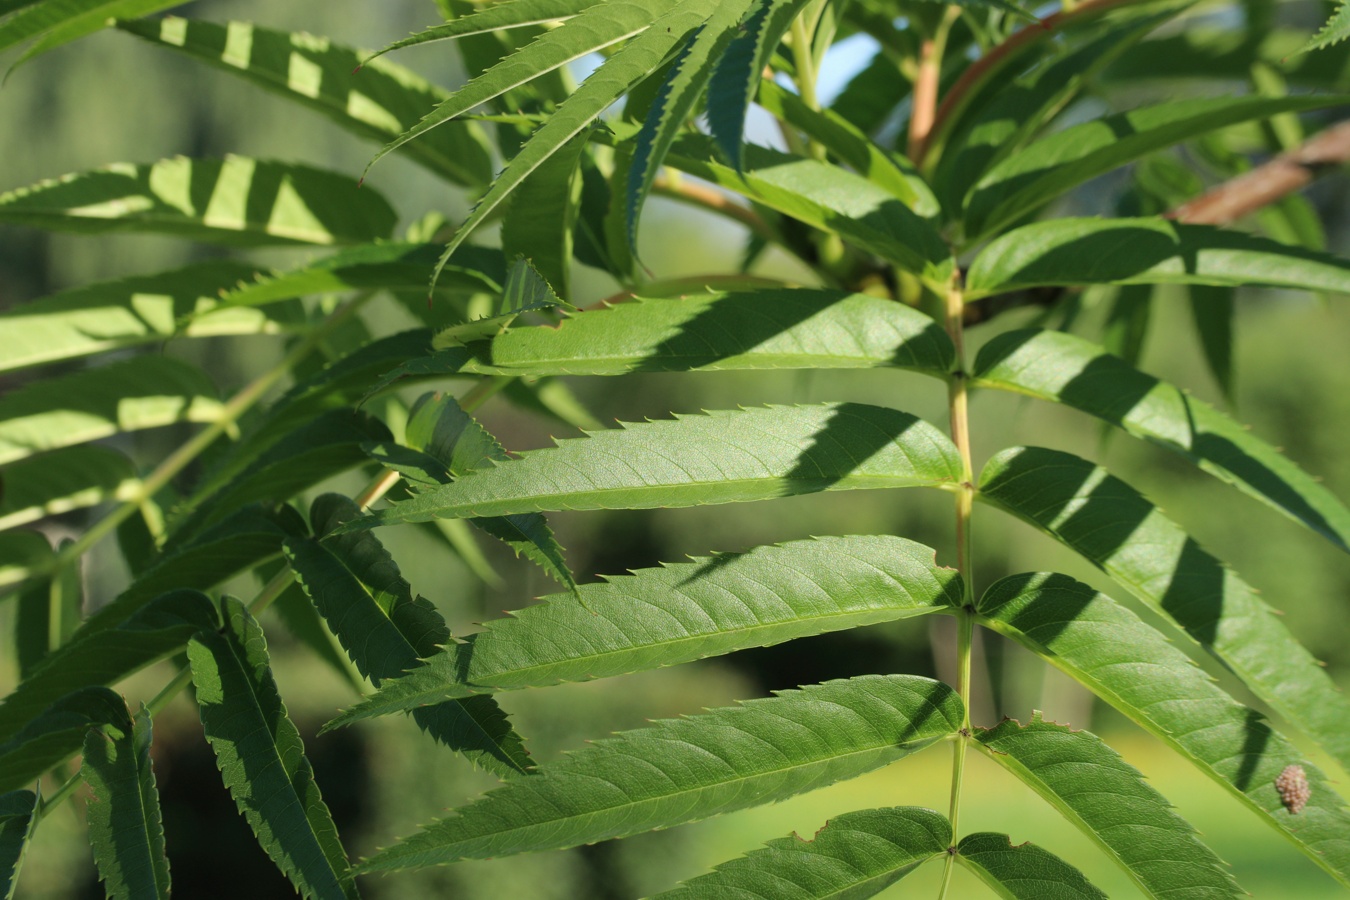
(142, 392)
(831, 198)
(454, 440)
(244, 539)
(1118, 530)
(682, 770)
(22, 555)
(1024, 871)
(379, 102)
(125, 827)
(55, 734)
(319, 449)
(132, 311)
(261, 758)
(854, 856)
(1334, 31)
(61, 481)
(1066, 369)
(539, 222)
(675, 101)
(599, 26)
(853, 147)
(304, 623)
(102, 656)
(1110, 802)
(659, 28)
(797, 328)
(357, 588)
(1137, 670)
(498, 16)
(1030, 178)
(1146, 251)
(62, 21)
(739, 72)
(237, 200)
(683, 612)
(18, 820)
(716, 457)
(390, 266)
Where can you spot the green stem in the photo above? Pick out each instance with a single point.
(175, 462)
(959, 410)
(484, 390)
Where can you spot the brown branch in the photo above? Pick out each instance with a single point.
(1264, 185)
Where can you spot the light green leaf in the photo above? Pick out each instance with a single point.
(1334, 31)
(497, 17)
(144, 309)
(853, 147)
(856, 855)
(675, 101)
(379, 102)
(683, 612)
(717, 457)
(55, 734)
(660, 27)
(1032, 177)
(682, 770)
(61, 481)
(798, 328)
(383, 266)
(143, 392)
(1110, 802)
(1146, 251)
(357, 588)
(1118, 530)
(236, 200)
(62, 21)
(261, 758)
(18, 821)
(125, 827)
(831, 198)
(105, 655)
(1066, 369)
(1024, 871)
(1134, 668)
(438, 428)
(596, 27)
(739, 73)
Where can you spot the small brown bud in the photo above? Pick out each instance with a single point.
(1293, 787)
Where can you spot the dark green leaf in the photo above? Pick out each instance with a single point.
(1146, 251)
(1024, 871)
(125, 826)
(357, 588)
(856, 855)
(682, 770)
(231, 201)
(55, 734)
(1066, 369)
(61, 481)
(1117, 529)
(1028, 179)
(18, 820)
(62, 21)
(1214, 310)
(1137, 670)
(1109, 800)
(106, 655)
(717, 457)
(261, 758)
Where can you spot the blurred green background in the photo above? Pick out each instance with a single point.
(111, 98)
